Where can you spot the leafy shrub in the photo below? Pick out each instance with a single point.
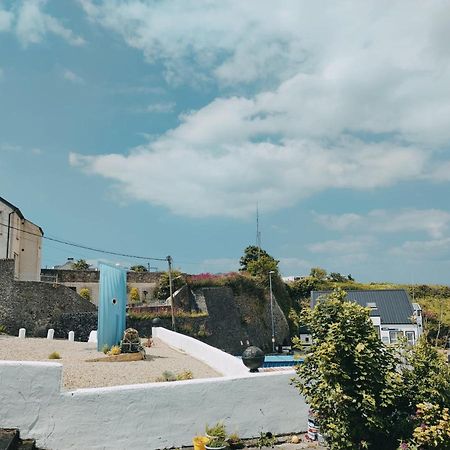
(266, 440)
(54, 355)
(115, 350)
(185, 375)
(167, 375)
(217, 430)
(163, 289)
(2, 329)
(432, 429)
(106, 348)
(350, 378)
(134, 295)
(202, 331)
(85, 293)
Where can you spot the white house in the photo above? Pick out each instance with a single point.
(20, 240)
(392, 312)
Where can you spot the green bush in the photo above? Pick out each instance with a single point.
(54, 355)
(167, 375)
(85, 293)
(106, 348)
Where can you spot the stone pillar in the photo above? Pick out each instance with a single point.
(50, 333)
(22, 333)
(71, 336)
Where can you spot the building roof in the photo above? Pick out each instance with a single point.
(13, 207)
(19, 213)
(393, 306)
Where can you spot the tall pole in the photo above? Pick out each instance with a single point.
(169, 261)
(271, 310)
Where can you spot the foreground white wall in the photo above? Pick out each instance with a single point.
(146, 416)
(223, 362)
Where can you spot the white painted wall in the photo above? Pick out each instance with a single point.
(223, 362)
(146, 416)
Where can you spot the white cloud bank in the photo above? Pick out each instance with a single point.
(356, 96)
(434, 222)
(31, 24)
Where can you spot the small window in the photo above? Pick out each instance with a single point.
(371, 305)
(306, 339)
(410, 337)
(394, 336)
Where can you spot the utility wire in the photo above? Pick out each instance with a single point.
(85, 247)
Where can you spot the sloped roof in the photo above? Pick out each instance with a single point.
(13, 207)
(392, 305)
(19, 213)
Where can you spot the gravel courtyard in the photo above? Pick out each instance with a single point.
(77, 373)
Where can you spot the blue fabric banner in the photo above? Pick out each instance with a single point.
(111, 306)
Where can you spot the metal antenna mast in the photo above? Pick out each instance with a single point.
(258, 233)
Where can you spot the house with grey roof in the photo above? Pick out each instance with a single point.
(391, 311)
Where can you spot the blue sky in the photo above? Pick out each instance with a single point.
(154, 128)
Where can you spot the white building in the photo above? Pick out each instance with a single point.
(392, 312)
(20, 240)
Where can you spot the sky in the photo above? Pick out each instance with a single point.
(155, 128)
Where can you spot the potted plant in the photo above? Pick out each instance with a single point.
(217, 431)
(234, 441)
(216, 444)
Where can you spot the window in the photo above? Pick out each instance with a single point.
(410, 337)
(394, 336)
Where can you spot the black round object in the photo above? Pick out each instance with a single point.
(156, 322)
(253, 358)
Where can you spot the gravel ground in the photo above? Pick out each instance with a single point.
(77, 373)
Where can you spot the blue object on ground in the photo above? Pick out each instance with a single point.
(111, 306)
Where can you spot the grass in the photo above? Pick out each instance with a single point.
(115, 350)
(170, 376)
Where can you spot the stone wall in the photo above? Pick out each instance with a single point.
(34, 305)
(241, 318)
(93, 276)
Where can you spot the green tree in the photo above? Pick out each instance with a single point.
(81, 264)
(252, 253)
(336, 277)
(318, 273)
(163, 290)
(349, 379)
(302, 288)
(261, 267)
(134, 295)
(138, 268)
(85, 293)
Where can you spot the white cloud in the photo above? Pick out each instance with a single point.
(294, 266)
(6, 19)
(356, 96)
(420, 250)
(31, 24)
(435, 222)
(157, 108)
(72, 77)
(347, 245)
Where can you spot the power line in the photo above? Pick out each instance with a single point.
(85, 247)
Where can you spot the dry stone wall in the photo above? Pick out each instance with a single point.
(34, 305)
